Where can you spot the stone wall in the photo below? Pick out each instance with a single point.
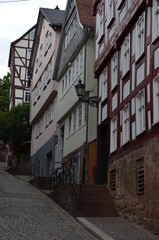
(144, 208)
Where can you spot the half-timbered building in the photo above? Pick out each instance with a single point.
(44, 89)
(127, 69)
(19, 57)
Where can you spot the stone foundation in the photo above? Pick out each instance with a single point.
(144, 208)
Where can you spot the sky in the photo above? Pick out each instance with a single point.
(16, 18)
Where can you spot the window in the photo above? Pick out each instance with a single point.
(104, 82)
(36, 65)
(80, 115)
(28, 53)
(46, 42)
(156, 99)
(99, 23)
(70, 30)
(114, 70)
(70, 125)
(113, 143)
(125, 56)
(50, 39)
(114, 101)
(27, 96)
(39, 89)
(51, 111)
(49, 71)
(45, 78)
(140, 36)
(31, 34)
(140, 112)
(140, 176)
(155, 20)
(40, 55)
(47, 116)
(126, 124)
(35, 96)
(109, 8)
(74, 121)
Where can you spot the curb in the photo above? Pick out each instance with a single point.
(93, 229)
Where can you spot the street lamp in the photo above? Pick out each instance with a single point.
(93, 102)
(80, 91)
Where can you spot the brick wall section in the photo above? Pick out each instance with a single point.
(144, 209)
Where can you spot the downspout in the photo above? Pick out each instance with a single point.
(85, 146)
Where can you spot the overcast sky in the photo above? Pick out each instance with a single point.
(16, 19)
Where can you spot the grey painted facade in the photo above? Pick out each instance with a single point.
(43, 160)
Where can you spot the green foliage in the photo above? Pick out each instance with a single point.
(4, 93)
(12, 129)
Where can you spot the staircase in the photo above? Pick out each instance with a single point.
(95, 201)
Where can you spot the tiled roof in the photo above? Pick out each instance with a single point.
(85, 9)
(54, 16)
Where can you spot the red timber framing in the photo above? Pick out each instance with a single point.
(127, 70)
(138, 75)
(19, 57)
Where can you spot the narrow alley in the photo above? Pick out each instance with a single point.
(26, 214)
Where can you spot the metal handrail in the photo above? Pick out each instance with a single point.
(65, 174)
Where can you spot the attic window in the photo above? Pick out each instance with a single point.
(70, 30)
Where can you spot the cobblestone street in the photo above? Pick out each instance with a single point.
(26, 214)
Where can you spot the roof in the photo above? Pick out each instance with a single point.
(16, 41)
(53, 16)
(85, 11)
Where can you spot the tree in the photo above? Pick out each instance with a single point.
(4, 92)
(13, 131)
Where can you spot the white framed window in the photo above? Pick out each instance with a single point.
(47, 116)
(46, 42)
(62, 88)
(35, 92)
(40, 54)
(50, 40)
(28, 53)
(39, 89)
(109, 8)
(156, 99)
(26, 96)
(41, 125)
(114, 70)
(74, 120)
(70, 30)
(32, 34)
(45, 78)
(155, 20)
(51, 111)
(140, 36)
(126, 124)
(140, 112)
(49, 71)
(36, 65)
(70, 125)
(100, 23)
(125, 56)
(79, 115)
(103, 82)
(113, 129)
(114, 101)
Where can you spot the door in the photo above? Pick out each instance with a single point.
(102, 152)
